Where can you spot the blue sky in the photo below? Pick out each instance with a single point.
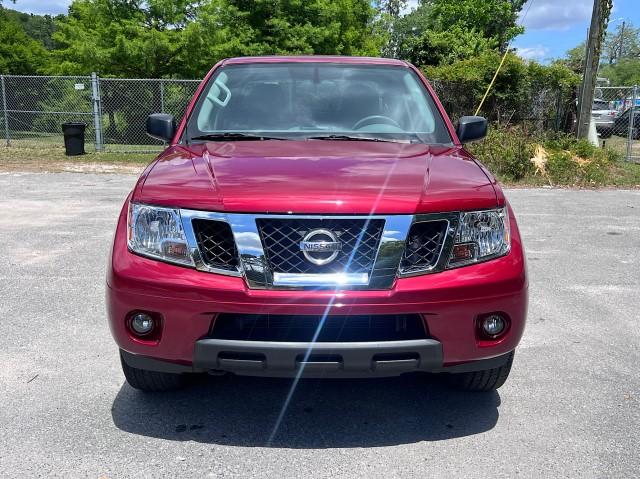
(552, 26)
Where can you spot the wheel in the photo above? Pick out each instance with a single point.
(482, 381)
(606, 133)
(152, 381)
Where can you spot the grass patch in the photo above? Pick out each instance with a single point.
(52, 158)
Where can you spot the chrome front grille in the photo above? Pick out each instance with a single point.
(282, 251)
(359, 239)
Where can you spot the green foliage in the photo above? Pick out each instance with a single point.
(404, 33)
(445, 47)
(622, 43)
(507, 152)
(561, 168)
(38, 27)
(19, 54)
(121, 37)
(439, 32)
(621, 67)
(160, 38)
(492, 19)
(625, 72)
(518, 87)
(574, 58)
(391, 7)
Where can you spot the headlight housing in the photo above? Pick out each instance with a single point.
(157, 233)
(481, 236)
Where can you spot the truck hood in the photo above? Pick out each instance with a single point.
(317, 177)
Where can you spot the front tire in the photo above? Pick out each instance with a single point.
(150, 381)
(482, 381)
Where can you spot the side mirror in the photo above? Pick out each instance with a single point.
(471, 128)
(161, 126)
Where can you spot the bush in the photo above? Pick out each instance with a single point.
(507, 152)
(523, 91)
(561, 168)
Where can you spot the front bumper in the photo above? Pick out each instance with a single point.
(345, 360)
(189, 301)
(604, 125)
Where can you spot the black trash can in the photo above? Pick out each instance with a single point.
(73, 138)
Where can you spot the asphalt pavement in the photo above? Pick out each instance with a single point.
(571, 407)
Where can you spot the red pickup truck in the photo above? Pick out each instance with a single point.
(316, 216)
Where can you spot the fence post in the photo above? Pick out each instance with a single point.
(97, 110)
(4, 108)
(161, 96)
(634, 96)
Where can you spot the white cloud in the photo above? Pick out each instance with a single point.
(536, 52)
(41, 7)
(556, 15)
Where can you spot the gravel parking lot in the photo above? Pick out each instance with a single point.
(571, 407)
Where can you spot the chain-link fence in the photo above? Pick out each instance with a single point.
(539, 108)
(616, 113)
(34, 107)
(126, 103)
(115, 110)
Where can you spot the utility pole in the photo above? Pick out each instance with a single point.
(599, 19)
(621, 42)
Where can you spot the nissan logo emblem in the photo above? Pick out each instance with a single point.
(320, 246)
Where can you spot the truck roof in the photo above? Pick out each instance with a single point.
(316, 59)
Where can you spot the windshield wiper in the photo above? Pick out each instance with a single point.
(235, 136)
(356, 138)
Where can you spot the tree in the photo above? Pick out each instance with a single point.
(404, 32)
(574, 58)
(225, 28)
(442, 31)
(623, 43)
(19, 54)
(445, 47)
(38, 27)
(625, 72)
(493, 19)
(392, 7)
(184, 38)
(134, 38)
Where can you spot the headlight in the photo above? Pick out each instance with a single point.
(481, 235)
(157, 233)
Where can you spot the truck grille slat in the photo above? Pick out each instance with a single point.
(216, 244)
(424, 244)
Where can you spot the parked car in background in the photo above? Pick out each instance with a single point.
(604, 116)
(621, 126)
(317, 216)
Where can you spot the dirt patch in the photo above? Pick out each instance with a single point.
(53, 160)
(57, 167)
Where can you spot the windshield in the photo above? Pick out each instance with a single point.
(317, 100)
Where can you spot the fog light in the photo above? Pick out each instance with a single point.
(142, 323)
(493, 325)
